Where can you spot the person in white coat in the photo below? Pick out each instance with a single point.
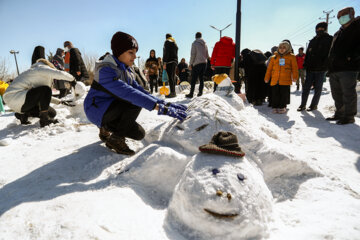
(30, 93)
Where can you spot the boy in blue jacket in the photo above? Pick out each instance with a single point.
(115, 99)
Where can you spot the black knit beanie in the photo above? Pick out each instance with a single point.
(121, 42)
(321, 25)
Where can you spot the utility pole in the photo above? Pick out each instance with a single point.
(327, 18)
(14, 52)
(237, 46)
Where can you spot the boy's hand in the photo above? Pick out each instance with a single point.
(177, 106)
(171, 111)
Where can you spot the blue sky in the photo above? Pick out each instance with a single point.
(91, 24)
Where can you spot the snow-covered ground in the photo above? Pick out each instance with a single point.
(302, 176)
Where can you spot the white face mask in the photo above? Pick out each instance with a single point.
(344, 19)
(66, 49)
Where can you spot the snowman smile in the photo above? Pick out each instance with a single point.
(220, 215)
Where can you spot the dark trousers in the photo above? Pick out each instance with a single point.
(183, 76)
(170, 69)
(219, 70)
(197, 72)
(153, 83)
(343, 91)
(37, 99)
(280, 96)
(120, 118)
(315, 79)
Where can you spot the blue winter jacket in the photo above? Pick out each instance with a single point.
(97, 102)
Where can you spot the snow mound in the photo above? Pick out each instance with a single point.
(207, 115)
(221, 198)
(156, 171)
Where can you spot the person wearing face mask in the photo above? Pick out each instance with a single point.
(344, 66)
(315, 62)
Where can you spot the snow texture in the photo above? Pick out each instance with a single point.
(299, 178)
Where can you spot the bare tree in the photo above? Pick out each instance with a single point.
(89, 61)
(50, 56)
(4, 70)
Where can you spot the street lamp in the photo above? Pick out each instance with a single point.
(138, 57)
(14, 52)
(220, 30)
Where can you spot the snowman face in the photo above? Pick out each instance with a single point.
(219, 194)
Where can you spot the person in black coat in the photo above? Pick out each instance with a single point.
(344, 66)
(39, 52)
(183, 70)
(315, 63)
(170, 61)
(61, 85)
(77, 67)
(208, 71)
(254, 65)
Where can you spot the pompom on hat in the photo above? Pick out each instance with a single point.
(223, 143)
(122, 42)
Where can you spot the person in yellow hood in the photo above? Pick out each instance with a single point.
(282, 70)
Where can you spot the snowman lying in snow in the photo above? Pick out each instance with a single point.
(221, 197)
(208, 196)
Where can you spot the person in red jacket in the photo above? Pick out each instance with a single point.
(222, 56)
(300, 61)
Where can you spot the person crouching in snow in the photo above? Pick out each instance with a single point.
(115, 99)
(282, 70)
(29, 95)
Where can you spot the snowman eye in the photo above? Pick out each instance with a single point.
(215, 171)
(219, 193)
(241, 177)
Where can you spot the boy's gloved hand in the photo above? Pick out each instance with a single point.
(174, 105)
(177, 106)
(172, 112)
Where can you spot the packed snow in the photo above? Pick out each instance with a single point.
(299, 179)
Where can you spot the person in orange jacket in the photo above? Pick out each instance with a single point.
(282, 70)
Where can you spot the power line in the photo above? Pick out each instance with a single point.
(304, 25)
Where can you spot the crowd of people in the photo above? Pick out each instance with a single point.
(119, 90)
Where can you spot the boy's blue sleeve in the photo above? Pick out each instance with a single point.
(140, 88)
(125, 91)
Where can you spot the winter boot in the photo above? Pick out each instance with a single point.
(118, 144)
(311, 108)
(104, 134)
(23, 118)
(301, 108)
(45, 119)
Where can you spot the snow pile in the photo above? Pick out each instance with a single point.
(251, 200)
(221, 198)
(299, 178)
(156, 170)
